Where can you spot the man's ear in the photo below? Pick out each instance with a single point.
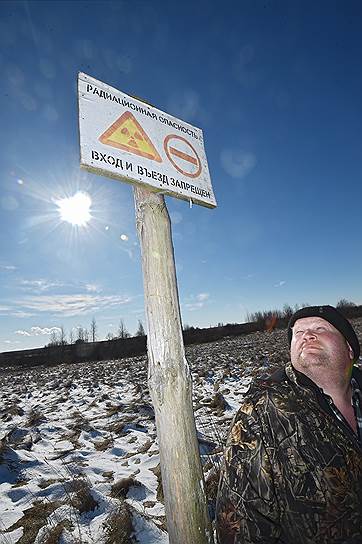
(350, 352)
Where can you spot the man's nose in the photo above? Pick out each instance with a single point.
(309, 333)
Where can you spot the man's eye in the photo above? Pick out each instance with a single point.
(321, 329)
(297, 333)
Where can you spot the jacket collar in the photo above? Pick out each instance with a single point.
(302, 380)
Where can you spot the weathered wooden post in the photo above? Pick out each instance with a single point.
(169, 377)
(115, 140)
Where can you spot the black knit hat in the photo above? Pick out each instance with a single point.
(334, 317)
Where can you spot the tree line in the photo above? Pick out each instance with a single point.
(80, 334)
(270, 317)
(266, 319)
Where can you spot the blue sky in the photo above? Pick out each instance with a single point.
(276, 88)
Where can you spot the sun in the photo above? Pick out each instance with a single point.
(75, 209)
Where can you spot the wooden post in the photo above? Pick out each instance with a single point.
(169, 377)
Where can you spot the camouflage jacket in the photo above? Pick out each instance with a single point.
(292, 471)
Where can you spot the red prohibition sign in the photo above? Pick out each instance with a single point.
(175, 154)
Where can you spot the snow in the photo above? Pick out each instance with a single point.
(85, 427)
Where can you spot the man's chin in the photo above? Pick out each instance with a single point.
(313, 358)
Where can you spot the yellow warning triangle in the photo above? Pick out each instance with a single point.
(126, 133)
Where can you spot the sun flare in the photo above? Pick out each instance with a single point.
(75, 209)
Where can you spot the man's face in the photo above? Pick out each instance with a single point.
(317, 343)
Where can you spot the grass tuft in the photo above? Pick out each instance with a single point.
(118, 526)
(114, 409)
(54, 534)
(82, 498)
(33, 519)
(157, 472)
(34, 418)
(3, 449)
(121, 487)
(104, 444)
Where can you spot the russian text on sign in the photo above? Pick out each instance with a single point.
(124, 138)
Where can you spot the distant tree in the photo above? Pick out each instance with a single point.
(109, 336)
(71, 336)
(140, 331)
(93, 330)
(53, 339)
(344, 303)
(62, 336)
(122, 330)
(80, 335)
(287, 311)
(249, 317)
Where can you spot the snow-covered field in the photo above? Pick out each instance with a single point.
(79, 457)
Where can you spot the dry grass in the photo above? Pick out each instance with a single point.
(34, 418)
(78, 425)
(161, 522)
(114, 409)
(120, 488)
(108, 474)
(73, 437)
(104, 444)
(81, 497)
(43, 483)
(33, 519)
(118, 428)
(15, 410)
(118, 526)
(157, 472)
(3, 449)
(146, 446)
(218, 403)
(212, 483)
(20, 483)
(54, 534)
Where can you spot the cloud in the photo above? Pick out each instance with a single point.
(201, 297)
(93, 288)
(236, 162)
(192, 306)
(71, 305)
(38, 331)
(23, 333)
(41, 284)
(8, 267)
(280, 283)
(21, 314)
(197, 302)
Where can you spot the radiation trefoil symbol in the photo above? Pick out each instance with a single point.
(127, 134)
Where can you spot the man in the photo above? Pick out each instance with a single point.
(293, 461)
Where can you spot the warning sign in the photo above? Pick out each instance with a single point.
(182, 155)
(126, 133)
(129, 140)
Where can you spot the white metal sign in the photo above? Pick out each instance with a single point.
(126, 139)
